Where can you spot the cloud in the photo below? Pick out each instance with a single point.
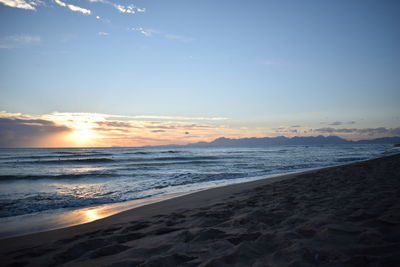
(59, 128)
(295, 126)
(364, 131)
(23, 4)
(79, 9)
(14, 41)
(25, 38)
(145, 32)
(174, 118)
(335, 123)
(104, 117)
(103, 33)
(118, 124)
(334, 130)
(151, 32)
(15, 132)
(58, 2)
(73, 7)
(126, 9)
(130, 9)
(161, 127)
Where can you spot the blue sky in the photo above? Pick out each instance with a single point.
(262, 65)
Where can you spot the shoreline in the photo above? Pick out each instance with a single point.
(144, 203)
(64, 218)
(224, 217)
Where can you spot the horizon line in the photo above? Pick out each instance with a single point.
(188, 144)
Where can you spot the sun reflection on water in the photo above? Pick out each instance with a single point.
(92, 215)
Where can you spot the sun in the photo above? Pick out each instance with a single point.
(82, 135)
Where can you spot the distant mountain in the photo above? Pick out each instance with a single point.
(297, 140)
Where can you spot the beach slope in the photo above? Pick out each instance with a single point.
(338, 216)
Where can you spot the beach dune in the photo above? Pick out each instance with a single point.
(338, 216)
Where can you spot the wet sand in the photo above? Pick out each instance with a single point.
(339, 216)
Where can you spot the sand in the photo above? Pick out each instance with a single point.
(339, 216)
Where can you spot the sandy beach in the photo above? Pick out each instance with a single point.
(338, 216)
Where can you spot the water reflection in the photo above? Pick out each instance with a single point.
(92, 215)
(55, 219)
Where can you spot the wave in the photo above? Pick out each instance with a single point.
(55, 156)
(136, 166)
(47, 202)
(62, 161)
(150, 152)
(298, 166)
(194, 178)
(64, 152)
(186, 158)
(80, 151)
(137, 153)
(59, 176)
(85, 155)
(350, 159)
(115, 175)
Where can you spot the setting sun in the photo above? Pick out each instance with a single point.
(82, 135)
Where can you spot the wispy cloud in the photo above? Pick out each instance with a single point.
(145, 32)
(364, 131)
(103, 33)
(126, 9)
(337, 123)
(151, 32)
(177, 118)
(20, 40)
(23, 4)
(73, 7)
(353, 133)
(110, 130)
(130, 9)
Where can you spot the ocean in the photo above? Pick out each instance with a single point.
(35, 181)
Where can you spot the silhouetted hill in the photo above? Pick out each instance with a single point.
(297, 140)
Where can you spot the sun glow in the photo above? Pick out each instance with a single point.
(82, 135)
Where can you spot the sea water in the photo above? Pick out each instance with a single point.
(35, 181)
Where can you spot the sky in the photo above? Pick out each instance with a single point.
(156, 72)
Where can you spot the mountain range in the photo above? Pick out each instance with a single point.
(297, 140)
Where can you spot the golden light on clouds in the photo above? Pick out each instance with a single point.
(63, 129)
(101, 130)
